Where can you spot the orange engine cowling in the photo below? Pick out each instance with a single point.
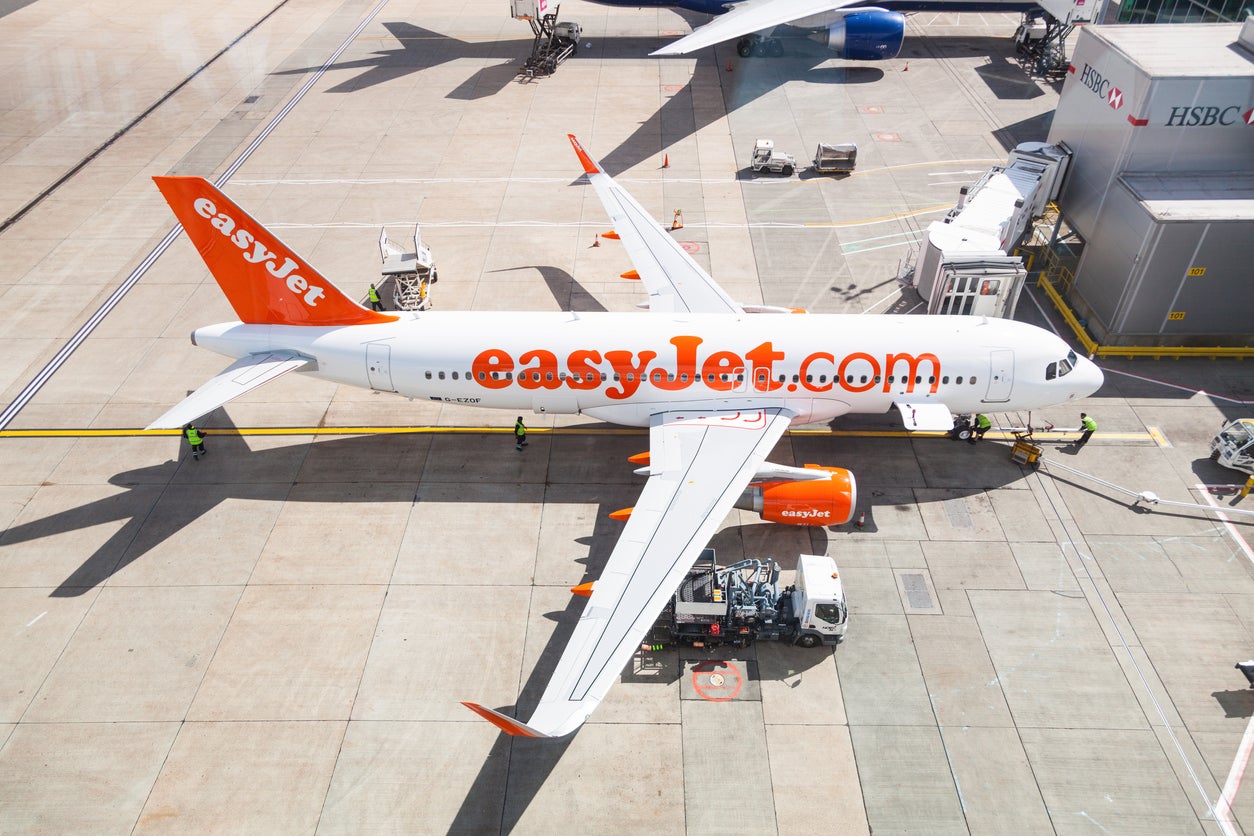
(812, 502)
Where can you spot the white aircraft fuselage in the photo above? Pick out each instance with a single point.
(626, 367)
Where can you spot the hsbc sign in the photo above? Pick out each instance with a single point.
(1102, 87)
(1184, 116)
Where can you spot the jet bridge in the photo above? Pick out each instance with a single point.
(964, 266)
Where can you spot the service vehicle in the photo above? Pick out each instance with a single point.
(766, 157)
(840, 158)
(1234, 446)
(741, 603)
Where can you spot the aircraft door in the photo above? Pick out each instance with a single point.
(1001, 375)
(379, 366)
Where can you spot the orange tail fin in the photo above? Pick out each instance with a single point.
(262, 278)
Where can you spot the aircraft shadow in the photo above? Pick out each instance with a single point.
(677, 119)
(569, 294)
(531, 762)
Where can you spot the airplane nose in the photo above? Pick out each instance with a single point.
(1089, 378)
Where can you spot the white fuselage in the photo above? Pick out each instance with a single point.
(625, 367)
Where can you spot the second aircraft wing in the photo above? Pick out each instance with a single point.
(699, 464)
(750, 16)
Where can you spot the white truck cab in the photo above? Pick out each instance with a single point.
(766, 157)
(819, 600)
(1234, 446)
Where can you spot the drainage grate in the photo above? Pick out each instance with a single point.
(917, 594)
(959, 516)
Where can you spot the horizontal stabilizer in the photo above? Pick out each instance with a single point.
(244, 375)
(505, 723)
(926, 417)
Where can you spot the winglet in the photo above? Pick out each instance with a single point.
(589, 167)
(506, 724)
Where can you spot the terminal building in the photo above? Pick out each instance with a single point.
(1159, 199)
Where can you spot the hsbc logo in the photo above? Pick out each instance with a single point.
(1102, 87)
(1184, 116)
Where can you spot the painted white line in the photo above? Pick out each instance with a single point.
(1174, 385)
(36, 618)
(1223, 808)
(1233, 531)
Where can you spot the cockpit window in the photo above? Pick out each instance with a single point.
(1062, 367)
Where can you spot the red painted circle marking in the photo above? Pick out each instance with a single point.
(711, 680)
(672, 88)
(690, 247)
(888, 136)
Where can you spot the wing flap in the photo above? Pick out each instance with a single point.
(240, 377)
(680, 508)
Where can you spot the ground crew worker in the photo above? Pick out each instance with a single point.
(981, 426)
(520, 435)
(1089, 426)
(375, 303)
(196, 439)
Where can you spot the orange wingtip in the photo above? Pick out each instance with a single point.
(612, 235)
(799, 310)
(630, 274)
(622, 513)
(506, 724)
(589, 166)
(639, 458)
(584, 589)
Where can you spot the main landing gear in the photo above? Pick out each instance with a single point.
(756, 45)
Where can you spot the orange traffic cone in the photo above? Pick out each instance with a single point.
(596, 241)
(666, 161)
(678, 221)
(906, 68)
(862, 520)
(729, 66)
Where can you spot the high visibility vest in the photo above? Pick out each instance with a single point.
(1089, 424)
(982, 422)
(519, 430)
(193, 436)
(374, 295)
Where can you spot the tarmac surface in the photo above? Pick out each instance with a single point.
(276, 638)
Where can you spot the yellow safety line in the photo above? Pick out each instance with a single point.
(1040, 435)
(1094, 349)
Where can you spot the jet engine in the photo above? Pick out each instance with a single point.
(820, 501)
(866, 35)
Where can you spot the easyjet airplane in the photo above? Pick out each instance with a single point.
(716, 382)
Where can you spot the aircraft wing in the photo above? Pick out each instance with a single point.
(698, 468)
(748, 17)
(242, 376)
(675, 283)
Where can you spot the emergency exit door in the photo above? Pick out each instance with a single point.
(379, 366)
(1001, 375)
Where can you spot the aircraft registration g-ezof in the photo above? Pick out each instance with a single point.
(857, 30)
(716, 382)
